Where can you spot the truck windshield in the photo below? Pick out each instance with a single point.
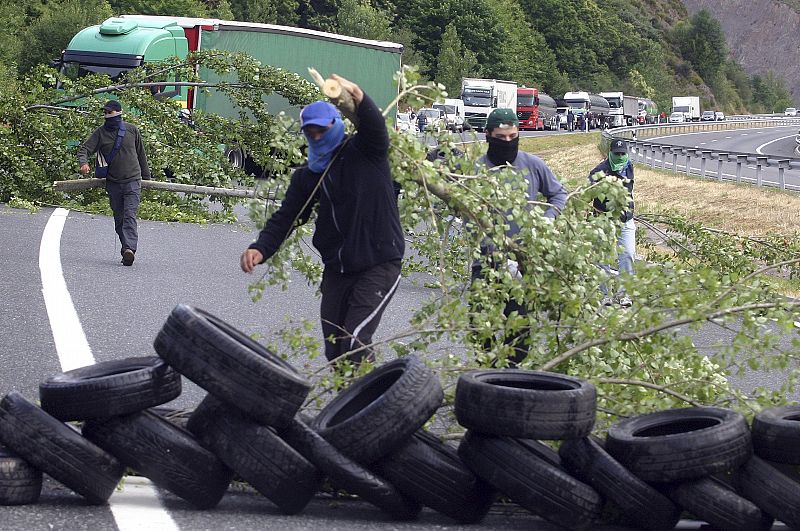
(577, 104)
(681, 109)
(448, 109)
(614, 103)
(524, 100)
(73, 70)
(477, 97)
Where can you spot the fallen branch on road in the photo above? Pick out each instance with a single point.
(75, 185)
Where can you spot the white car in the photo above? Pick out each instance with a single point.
(790, 111)
(719, 116)
(677, 118)
(707, 116)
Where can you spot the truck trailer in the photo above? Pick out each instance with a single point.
(535, 110)
(688, 105)
(120, 44)
(592, 107)
(623, 110)
(482, 96)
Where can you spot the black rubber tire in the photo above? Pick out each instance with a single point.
(718, 504)
(776, 434)
(680, 444)
(20, 483)
(379, 411)
(639, 502)
(773, 491)
(428, 470)
(165, 453)
(58, 450)
(525, 404)
(256, 454)
(231, 366)
(349, 475)
(110, 388)
(530, 474)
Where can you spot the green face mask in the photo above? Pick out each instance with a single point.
(617, 161)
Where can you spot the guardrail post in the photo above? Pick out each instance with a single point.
(783, 165)
(688, 153)
(664, 158)
(760, 161)
(675, 152)
(704, 154)
(643, 152)
(740, 159)
(720, 157)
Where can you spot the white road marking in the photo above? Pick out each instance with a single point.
(759, 148)
(71, 345)
(137, 506)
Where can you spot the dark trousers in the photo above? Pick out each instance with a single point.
(352, 305)
(519, 340)
(124, 199)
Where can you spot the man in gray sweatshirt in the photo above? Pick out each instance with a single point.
(125, 172)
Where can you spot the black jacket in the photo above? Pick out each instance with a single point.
(129, 164)
(626, 174)
(358, 224)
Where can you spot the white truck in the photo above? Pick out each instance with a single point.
(482, 96)
(453, 112)
(624, 110)
(688, 105)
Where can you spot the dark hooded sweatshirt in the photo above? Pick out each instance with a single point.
(358, 224)
(129, 164)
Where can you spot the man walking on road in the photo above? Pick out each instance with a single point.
(358, 232)
(502, 134)
(122, 161)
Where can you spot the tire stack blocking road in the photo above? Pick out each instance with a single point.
(370, 440)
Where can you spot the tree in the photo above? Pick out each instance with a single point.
(282, 12)
(769, 90)
(358, 18)
(44, 39)
(176, 8)
(454, 62)
(701, 41)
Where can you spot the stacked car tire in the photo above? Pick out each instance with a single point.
(370, 440)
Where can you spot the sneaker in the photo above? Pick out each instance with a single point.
(606, 301)
(127, 257)
(625, 301)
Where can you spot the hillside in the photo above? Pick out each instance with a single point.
(761, 34)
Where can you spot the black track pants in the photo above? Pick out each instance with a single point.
(124, 199)
(352, 306)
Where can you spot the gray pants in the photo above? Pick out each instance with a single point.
(124, 199)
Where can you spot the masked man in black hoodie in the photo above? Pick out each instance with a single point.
(124, 166)
(357, 231)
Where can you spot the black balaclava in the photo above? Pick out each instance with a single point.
(112, 123)
(502, 151)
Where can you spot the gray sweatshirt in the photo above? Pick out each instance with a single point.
(129, 164)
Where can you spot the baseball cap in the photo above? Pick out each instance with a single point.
(319, 113)
(618, 146)
(500, 117)
(112, 105)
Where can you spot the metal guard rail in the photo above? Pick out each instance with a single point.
(636, 137)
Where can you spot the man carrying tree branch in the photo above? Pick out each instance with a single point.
(358, 232)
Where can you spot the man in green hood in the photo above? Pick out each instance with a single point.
(618, 164)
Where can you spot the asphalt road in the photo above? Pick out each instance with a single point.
(773, 142)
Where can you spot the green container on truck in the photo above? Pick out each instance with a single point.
(122, 43)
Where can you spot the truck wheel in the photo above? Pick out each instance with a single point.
(774, 492)
(257, 454)
(526, 404)
(715, 502)
(347, 474)
(165, 453)
(530, 474)
(430, 471)
(20, 483)
(379, 411)
(231, 366)
(776, 434)
(679, 444)
(110, 388)
(58, 450)
(641, 504)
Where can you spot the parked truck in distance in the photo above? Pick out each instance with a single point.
(623, 110)
(453, 112)
(592, 108)
(482, 96)
(535, 110)
(123, 43)
(688, 105)
(648, 111)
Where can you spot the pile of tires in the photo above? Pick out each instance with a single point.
(370, 440)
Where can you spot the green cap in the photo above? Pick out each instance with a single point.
(500, 117)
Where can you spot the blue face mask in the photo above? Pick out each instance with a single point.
(321, 151)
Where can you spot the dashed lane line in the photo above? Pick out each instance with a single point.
(137, 505)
